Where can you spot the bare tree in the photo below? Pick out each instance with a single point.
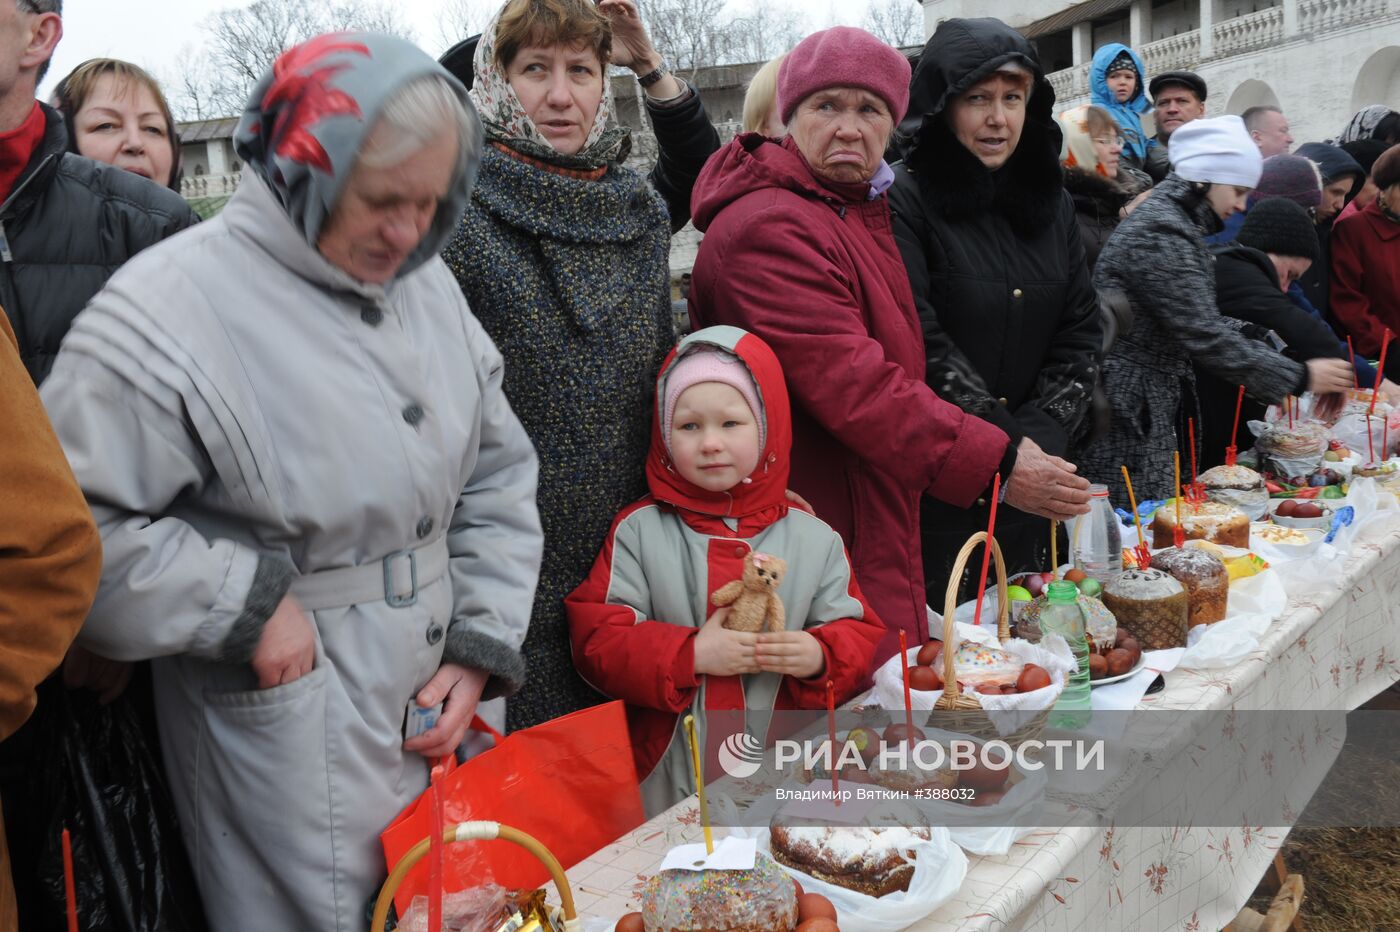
(245, 41)
(459, 19)
(898, 22)
(767, 32)
(193, 88)
(691, 33)
(366, 15)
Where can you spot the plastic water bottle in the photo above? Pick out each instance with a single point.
(1062, 615)
(1096, 543)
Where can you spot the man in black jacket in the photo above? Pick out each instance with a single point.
(66, 223)
(1274, 248)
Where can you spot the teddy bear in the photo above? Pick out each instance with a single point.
(753, 598)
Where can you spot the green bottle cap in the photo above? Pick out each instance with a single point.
(1062, 591)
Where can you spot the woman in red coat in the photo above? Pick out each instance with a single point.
(799, 249)
(1366, 264)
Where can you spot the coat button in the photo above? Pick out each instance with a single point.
(982, 502)
(371, 315)
(1016, 293)
(413, 414)
(434, 633)
(1001, 401)
(740, 551)
(425, 527)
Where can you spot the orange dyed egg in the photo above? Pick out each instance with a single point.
(814, 906)
(632, 922)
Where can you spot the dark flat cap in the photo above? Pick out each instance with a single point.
(1187, 79)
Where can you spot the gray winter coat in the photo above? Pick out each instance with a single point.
(1158, 258)
(244, 417)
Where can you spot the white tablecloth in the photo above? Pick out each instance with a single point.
(1336, 645)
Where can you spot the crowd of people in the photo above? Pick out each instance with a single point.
(408, 425)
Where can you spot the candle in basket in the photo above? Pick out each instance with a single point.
(987, 551)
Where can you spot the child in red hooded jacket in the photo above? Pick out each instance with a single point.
(643, 626)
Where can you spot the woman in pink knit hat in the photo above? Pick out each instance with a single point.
(798, 249)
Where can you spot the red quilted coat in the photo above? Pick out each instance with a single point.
(813, 269)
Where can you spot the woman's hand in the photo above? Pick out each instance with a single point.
(632, 48)
(460, 689)
(286, 649)
(1390, 393)
(1326, 376)
(722, 652)
(798, 502)
(791, 653)
(85, 670)
(1045, 485)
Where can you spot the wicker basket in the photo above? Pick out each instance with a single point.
(478, 831)
(956, 710)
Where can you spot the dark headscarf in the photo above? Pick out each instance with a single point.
(1026, 190)
(308, 118)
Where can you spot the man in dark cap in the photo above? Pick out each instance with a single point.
(1179, 98)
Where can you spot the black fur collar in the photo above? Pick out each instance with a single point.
(1025, 191)
(1091, 188)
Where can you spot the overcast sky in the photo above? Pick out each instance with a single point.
(152, 32)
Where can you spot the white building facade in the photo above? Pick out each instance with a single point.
(1319, 60)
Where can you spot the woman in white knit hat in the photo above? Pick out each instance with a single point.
(1158, 258)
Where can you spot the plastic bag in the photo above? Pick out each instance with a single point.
(476, 910)
(1290, 451)
(102, 783)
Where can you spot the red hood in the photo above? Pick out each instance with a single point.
(752, 162)
(765, 496)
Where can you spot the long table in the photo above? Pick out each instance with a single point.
(1335, 646)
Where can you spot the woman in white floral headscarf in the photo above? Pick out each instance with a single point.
(563, 256)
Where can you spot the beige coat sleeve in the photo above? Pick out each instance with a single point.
(50, 554)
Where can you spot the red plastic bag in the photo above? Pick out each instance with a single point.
(569, 782)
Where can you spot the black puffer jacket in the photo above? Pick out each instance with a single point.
(1097, 201)
(1010, 319)
(69, 223)
(1247, 289)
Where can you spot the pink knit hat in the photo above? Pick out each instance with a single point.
(844, 56)
(710, 365)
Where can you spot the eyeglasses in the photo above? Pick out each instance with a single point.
(1110, 141)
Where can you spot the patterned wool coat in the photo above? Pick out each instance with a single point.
(1158, 258)
(569, 276)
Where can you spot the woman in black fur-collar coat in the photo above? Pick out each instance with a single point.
(989, 238)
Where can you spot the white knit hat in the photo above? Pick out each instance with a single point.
(1218, 151)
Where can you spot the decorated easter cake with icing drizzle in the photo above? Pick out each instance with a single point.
(874, 859)
(762, 899)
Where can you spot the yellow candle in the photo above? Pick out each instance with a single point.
(699, 782)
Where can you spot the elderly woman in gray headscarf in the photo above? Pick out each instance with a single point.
(317, 507)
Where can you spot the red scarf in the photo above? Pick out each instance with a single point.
(16, 148)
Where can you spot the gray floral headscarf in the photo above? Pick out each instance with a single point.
(305, 123)
(1363, 124)
(507, 122)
